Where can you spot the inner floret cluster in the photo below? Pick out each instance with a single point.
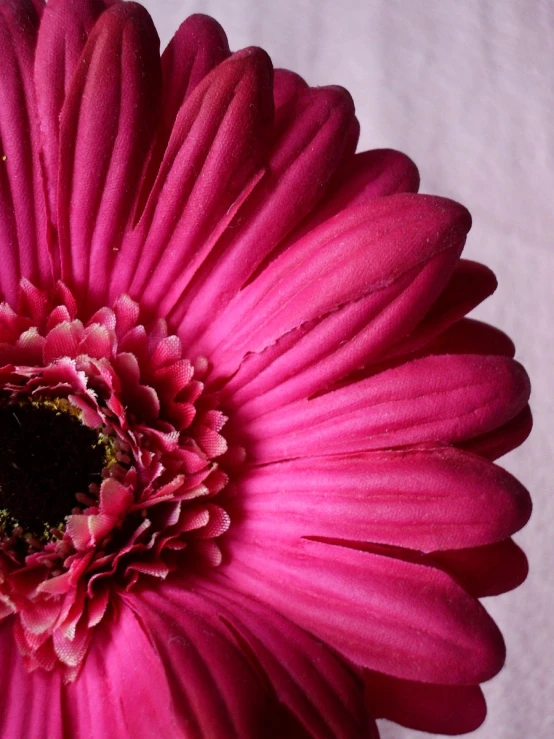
(154, 435)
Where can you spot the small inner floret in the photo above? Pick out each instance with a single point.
(47, 456)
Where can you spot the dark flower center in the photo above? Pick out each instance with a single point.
(46, 456)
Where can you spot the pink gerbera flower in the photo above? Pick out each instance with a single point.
(246, 481)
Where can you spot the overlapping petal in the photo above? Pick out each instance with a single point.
(443, 709)
(63, 32)
(308, 678)
(438, 399)
(202, 178)
(288, 295)
(104, 132)
(22, 204)
(214, 689)
(31, 705)
(423, 500)
(307, 148)
(405, 619)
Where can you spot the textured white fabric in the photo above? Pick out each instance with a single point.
(465, 88)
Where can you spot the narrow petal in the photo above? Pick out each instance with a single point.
(122, 689)
(31, 704)
(39, 7)
(107, 124)
(404, 619)
(489, 570)
(441, 709)
(215, 691)
(465, 336)
(447, 399)
(22, 205)
(367, 176)
(469, 336)
(309, 146)
(423, 500)
(376, 245)
(286, 85)
(199, 45)
(318, 689)
(470, 284)
(64, 29)
(213, 159)
(320, 353)
(502, 440)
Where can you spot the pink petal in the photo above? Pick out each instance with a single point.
(199, 45)
(31, 704)
(423, 500)
(488, 570)
(63, 341)
(441, 709)
(212, 161)
(215, 691)
(286, 85)
(63, 32)
(502, 440)
(308, 678)
(470, 284)
(447, 399)
(404, 619)
(376, 245)
(115, 498)
(22, 205)
(308, 149)
(367, 176)
(106, 125)
(318, 354)
(123, 689)
(469, 336)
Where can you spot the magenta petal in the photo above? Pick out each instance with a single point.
(215, 691)
(213, 159)
(443, 709)
(488, 570)
(309, 147)
(106, 126)
(401, 233)
(447, 399)
(22, 205)
(423, 500)
(307, 677)
(286, 85)
(320, 353)
(123, 689)
(31, 704)
(199, 45)
(502, 440)
(367, 176)
(468, 286)
(63, 32)
(401, 618)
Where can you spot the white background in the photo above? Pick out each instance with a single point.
(465, 88)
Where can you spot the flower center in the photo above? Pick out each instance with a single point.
(47, 456)
(110, 467)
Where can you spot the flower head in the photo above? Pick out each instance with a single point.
(246, 484)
